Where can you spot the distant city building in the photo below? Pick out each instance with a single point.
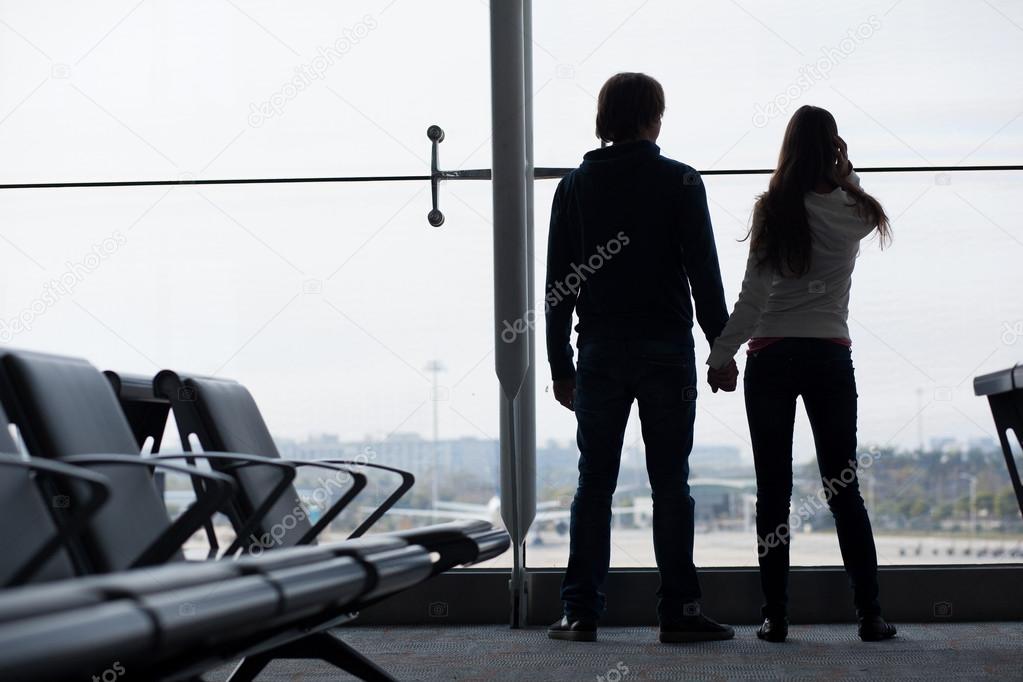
(556, 461)
(982, 443)
(714, 458)
(408, 451)
(944, 444)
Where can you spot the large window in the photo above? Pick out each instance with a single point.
(910, 85)
(360, 330)
(927, 315)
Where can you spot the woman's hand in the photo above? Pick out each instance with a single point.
(842, 164)
(724, 378)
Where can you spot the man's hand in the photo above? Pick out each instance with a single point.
(724, 378)
(564, 392)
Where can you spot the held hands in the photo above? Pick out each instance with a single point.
(842, 164)
(724, 378)
(564, 392)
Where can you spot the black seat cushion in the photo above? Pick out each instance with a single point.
(64, 407)
(230, 421)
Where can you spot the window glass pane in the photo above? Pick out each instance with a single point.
(926, 316)
(329, 302)
(121, 90)
(912, 82)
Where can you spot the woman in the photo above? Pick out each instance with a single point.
(793, 308)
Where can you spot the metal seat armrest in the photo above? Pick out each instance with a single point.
(407, 481)
(250, 525)
(358, 483)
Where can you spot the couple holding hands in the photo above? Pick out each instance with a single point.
(631, 237)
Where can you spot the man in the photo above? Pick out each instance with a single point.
(630, 236)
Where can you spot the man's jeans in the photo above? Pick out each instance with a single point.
(822, 373)
(660, 374)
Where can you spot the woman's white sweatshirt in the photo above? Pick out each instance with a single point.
(815, 305)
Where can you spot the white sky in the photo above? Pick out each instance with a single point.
(214, 280)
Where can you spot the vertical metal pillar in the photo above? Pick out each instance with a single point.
(527, 396)
(513, 315)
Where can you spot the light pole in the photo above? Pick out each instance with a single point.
(435, 367)
(920, 419)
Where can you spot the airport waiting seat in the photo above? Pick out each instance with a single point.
(189, 616)
(1004, 391)
(56, 399)
(46, 397)
(64, 408)
(146, 617)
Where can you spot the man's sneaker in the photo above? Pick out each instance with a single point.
(875, 628)
(693, 626)
(774, 629)
(573, 630)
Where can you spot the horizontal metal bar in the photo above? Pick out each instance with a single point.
(539, 173)
(229, 181)
(876, 169)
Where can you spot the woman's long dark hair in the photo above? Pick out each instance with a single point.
(808, 156)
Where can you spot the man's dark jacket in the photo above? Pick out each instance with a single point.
(630, 238)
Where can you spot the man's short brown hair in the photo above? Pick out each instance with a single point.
(628, 103)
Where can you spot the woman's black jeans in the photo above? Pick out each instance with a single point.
(820, 371)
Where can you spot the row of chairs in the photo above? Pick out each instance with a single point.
(95, 581)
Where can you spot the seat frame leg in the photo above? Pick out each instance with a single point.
(322, 646)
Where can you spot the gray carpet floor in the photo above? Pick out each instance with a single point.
(961, 651)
